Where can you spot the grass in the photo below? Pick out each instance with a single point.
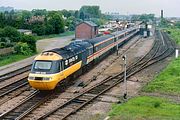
(146, 108)
(5, 60)
(175, 34)
(168, 81)
(54, 35)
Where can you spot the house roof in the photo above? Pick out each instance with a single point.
(90, 23)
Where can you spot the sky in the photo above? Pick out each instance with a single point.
(171, 7)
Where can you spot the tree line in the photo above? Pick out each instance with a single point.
(41, 22)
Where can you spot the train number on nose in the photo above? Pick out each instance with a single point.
(70, 60)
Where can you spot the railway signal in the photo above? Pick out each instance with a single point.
(125, 80)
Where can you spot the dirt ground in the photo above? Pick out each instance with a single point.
(47, 44)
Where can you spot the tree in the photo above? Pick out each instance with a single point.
(66, 13)
(143, 17)
(39, 12)
(177, 24)
(11, 33)
(39, 29)
(49, 29)
(91, 11)
(57, 22)
(30, 40)
(81, 16)
(76, 14)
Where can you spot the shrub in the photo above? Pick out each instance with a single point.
(23, 48)
(30, 40)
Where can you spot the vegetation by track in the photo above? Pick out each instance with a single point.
(168, 81)
(67, 33)
(146, 108)
(11, 58)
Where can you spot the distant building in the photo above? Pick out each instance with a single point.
(86, 30)
(35, 19)
(26, 32)
(162, 14)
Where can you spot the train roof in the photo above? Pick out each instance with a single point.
(105, 37)
(72, 49)
(99, 39)
(120, 32)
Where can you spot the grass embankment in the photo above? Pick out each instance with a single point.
(54, 35)
(144, 108)
(154, 108)
(168, 81)
(175, 34)
(8, 59)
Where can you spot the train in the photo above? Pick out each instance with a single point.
(53, 66)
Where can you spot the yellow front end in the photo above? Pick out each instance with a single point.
(49, 84)
(54, 79)
(43, 81)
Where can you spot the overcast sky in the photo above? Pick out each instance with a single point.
(170, 7)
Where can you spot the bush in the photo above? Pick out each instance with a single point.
(2, 44)
(11, 33)
(39, 30)
(30, 40)
(23, 48)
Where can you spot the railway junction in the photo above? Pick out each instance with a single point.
(93, 91)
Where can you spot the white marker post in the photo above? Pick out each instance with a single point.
(177, 53)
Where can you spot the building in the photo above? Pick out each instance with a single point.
(86, 30)
(162, 14)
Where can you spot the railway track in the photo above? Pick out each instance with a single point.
(12, 87)
(12, 82)
(14, 73)
(32, 101)
(73, 105)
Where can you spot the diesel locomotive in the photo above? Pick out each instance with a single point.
(53, 66)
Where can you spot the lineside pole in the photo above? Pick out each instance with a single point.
(125, 78)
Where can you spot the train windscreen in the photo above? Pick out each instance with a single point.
(43, 65)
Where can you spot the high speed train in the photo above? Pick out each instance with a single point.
(53, 66)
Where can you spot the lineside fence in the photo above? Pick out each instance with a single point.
(5, 51)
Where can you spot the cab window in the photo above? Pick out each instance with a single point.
(43, 65)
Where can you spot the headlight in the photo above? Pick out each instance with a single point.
(31, 78)
(47, 78)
